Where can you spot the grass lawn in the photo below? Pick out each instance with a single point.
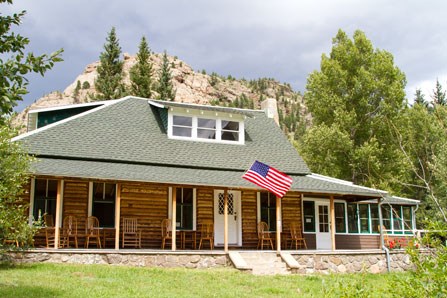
(61, 280)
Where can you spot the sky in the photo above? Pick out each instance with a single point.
(281, 39)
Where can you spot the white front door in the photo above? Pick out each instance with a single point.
(323, 227)
(234, 218)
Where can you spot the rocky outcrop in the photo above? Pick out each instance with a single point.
(191, 87)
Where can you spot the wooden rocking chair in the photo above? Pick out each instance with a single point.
(131, 235)
(69, 230)
(264, 235)
(296, 237)
(50, 231)
(166, 231)
(92, 231)
(207, 233)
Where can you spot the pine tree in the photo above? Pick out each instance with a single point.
(419, 99)
(439, 96)
(76, 91)
(165, 88)
(141, 73)
(109, 83)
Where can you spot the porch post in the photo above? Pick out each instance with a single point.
(278, 224)
(58, 215)
(174, 218)
(226, 220)
(117, 216)
(332, 211)
(379, 207)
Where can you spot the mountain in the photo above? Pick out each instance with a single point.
(191, 87)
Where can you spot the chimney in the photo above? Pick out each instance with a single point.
(271, 109)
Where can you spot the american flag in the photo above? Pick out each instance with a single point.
(268, 178)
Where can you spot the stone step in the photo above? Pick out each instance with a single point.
(265, 263)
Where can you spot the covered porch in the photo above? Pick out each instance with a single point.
(234, 215)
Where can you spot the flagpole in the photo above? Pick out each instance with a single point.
(278, 225)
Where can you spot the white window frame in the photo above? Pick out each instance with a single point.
(194, 206)
(195, 115)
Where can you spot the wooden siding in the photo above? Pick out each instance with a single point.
(249, 219)
(75, 202)
(205, 205)
(291, 211)
(148, 203)
(357, 241)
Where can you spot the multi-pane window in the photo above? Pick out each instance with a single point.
(184, 208)
(182, 126)
(374, 215)
(340, 224)
(386, 217)
(353, 223)
(268, 210)
(323, 218)
(206, 129)
(230, 130)
(408, 219)
(103, 207)
(45, 192)
(309, 216)
(364, 217)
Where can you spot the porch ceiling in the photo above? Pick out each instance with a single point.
(184, 176)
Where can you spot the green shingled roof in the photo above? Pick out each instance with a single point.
(130, 130)
(126, 140)
(186, 176)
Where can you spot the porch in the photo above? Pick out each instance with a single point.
(234, 214)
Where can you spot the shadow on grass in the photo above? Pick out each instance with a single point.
(16, 291)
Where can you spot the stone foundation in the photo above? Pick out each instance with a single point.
(140, 259)
(310, 262)
(351, 262)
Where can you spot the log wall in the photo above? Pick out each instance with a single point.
(249, 219)
(148, 203)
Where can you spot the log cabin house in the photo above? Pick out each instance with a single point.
(154, 160)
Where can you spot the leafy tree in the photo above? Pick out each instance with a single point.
(352, 98)
(165, 88)
(15, 63)
(141, 76)
(439, 96)
(109, 83)
(14, 165)
(421, 137)
(85, 85)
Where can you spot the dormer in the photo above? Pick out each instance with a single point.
(200, 123)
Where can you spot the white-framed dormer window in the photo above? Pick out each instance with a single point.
(206, 127)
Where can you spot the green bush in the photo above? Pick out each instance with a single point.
(429, 279)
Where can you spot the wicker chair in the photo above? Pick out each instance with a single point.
(264, 235)
(131, 235)
(207, 233)
(92, 231)
(166, 231)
